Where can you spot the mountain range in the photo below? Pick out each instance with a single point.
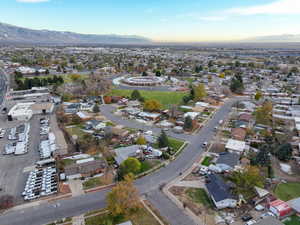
(276, 38)
(14, 34)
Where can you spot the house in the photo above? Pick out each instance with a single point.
(94, 124)
(280, 208)
(193, 115)
(84, 169)
(235, 146)
(149, 116)
(246, 117)
(295, 205)
(202, 104)
(72, 108)
(126, 152)
(220, 192)
(238, 133)
(228, 160)
(270, 220)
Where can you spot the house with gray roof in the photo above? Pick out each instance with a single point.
(220, 192)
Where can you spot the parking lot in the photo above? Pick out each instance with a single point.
(14, 169)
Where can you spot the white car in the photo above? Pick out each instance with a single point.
(251, 222)
(267, 214)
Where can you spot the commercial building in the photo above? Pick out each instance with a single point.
(24, 111)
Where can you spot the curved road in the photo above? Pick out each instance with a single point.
(149, 186)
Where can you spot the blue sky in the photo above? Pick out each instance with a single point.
(161, 20)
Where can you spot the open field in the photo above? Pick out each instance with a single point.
(287, 191)
(165, 98)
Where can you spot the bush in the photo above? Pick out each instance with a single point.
(6, 201)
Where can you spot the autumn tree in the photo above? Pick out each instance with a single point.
(200, 92)
(129, 166)
(245, 180)
(258, 95)
(123, 198)
(141, 140)
(152, 105)
(263, 114)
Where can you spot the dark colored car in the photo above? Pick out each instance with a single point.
(247, 217)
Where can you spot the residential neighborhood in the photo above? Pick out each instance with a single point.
(209, 134)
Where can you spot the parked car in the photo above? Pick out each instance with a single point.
(251, 222)
(259, 207)
(267, 214)
(246, 217)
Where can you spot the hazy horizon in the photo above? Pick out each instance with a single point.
(161, 21)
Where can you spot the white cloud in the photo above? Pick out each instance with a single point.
(33, 1)
(284, 7)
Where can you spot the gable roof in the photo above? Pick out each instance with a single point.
(227, 158)
(217, 188)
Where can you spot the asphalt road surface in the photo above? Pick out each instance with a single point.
(148, 186)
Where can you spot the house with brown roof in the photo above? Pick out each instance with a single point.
(84, 169)
(246, 117)
(238, 133)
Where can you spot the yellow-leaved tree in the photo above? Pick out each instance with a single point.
(123, 198)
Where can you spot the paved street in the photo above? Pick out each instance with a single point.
(106, 110)
(149, 185)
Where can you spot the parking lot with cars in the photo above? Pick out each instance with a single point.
(41, 182)
(14, 169)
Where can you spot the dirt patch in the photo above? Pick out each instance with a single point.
(282, 175)
(205, 214)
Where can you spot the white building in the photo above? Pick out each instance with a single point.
(235, 146)
(24, 111)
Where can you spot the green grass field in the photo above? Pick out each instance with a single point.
(166, 98)
(206, 161)
(199, 195)
(288, 191)
(293, 220)
(148, 165)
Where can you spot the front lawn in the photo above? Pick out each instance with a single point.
(141, 217)
(148, 165)
(293, 220)
(287, 191)
(175, 144)
(206, 161)
(199, 195)
(166, 98)
(92, 183)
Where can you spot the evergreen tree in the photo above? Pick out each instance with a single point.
(96, 108)
(163, 140)
(188, 123)
(135, 95)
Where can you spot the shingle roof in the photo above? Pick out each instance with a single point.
(217, 188)
(227, 158)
